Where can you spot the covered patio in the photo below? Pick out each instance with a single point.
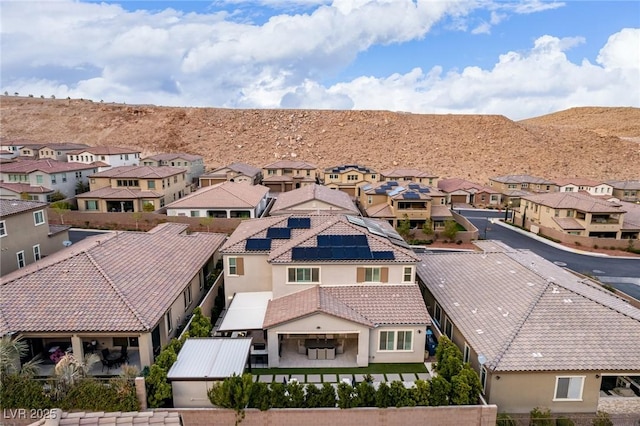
(299, 351)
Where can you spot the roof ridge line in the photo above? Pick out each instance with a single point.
(118, 291)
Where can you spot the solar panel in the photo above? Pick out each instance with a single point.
(279, 233)
(414, 186)
(424, 190)
(392, 183)
(324, 240)
(363, 252)
(258, 244)
(324, 252)
(381, 191)
(396, 191)
(411, 196)
(299, 223)
(361, 240)
(383, 255)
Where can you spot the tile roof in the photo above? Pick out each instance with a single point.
(345, 168)
(577, 182)
(632, 216)
(241, 168)
(456, 184)
(66, 146)
(441, 212)
(369, 305)
(45, 166)
(11, 207)
(624, 184)
(339, 199)
(281, 249)
(140, 172)
(525, 313)
(290, 164)
(111, 282)
(397, 189)
(223, 195)
(76, 418)
(56, 229)
(173, 156)
(521, 179)
(568, 223)
(24, 187)
(119, 193)
(575, 201)
(106, 150)
(406, 173)
(382, 210)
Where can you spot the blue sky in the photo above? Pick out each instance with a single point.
(519, 59)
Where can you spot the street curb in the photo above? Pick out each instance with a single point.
(556, 245)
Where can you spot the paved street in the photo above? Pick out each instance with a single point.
(623, 274)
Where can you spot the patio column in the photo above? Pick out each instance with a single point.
(273, 347)
(78, 349)
(145, 346)
(362, 359)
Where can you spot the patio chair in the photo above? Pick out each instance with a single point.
(313, 353)
(109, 363)
(331, 353)
(124, 355)
(301, 347)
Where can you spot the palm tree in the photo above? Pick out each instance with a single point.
(11, 352)
(69, 370)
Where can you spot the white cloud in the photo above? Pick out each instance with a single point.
(168, 57)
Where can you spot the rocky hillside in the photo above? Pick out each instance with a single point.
(599, 143)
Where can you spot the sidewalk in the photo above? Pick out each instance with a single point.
(557, 245)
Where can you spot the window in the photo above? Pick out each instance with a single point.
(556, 213)
(175, 179)
(151, 184)
(162, 202)
(437, 314)
(20, 258)
(195, 213)
(303, 275)
(167, 320)
(448, 328)
(392, 340)
(569, 213)
(525, 185)
(466, 355)
(36, 252)
(483, 379)
(372, 275)
(569, 388)
(3, 228)
(373, 177)
(53, 180)
(186, 295)
(407, 275)
(236, 266)
(38, 217)
(91, 205)
(78, 175)
(39, 179)
(352, 177)
(369, 199)
(333, 177)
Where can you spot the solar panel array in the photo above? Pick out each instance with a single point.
(258, 244)
(411, 196)
(279, 233)
(351, 166)
(340, 253)
(375, 228)
(424, 190)
(414, 186)
(299, 223)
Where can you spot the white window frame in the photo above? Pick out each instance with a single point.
(395, 340)
(555, 390)
(232, 269)
(20, 259)
(3, 228)
(448, 322)
(438, 318)
(483, 378)
(36, 253)
(407, 270)
(372, 271)
(466, 354)
(297, 281)
(168, 321)
(35, 217)
(186, 295)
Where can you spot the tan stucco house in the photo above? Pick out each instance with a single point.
(538, 335)
(26, 235)
(115, 289)
(314, 199)
(235, 172)
(413, 175)
(131, 188)
(286, 175)
(626, 190)
(338, 289)
(461, 191)
(348, 177)
(193, 164)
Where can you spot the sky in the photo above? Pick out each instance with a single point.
(519, 59)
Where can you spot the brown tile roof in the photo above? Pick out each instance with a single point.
(346, 168)
(241, 168)
(624, 184)
(46, 166)
(521, 179)
(140, 172)
(397, 189)
(632, 216)
(456, 184)
(406, 173)
(111, 282)
(370, 305)
(223, 195)
(24, 187)
(441, 212)
(76, 418)
(568, 223)
(575, 201)
(320, 225)
(339, 199)
(11, 207)
(119, 193)
(577, 182)
(290, 164)
(526, 314)
(65, 146)
(106, 150)
(173, 156)
(56, 229)
(382, 210)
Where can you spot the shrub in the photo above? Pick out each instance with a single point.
(440, 389)
(503, 419)
(346, 396)
(200, 325)
(93, 395)
(383, 396)
(421, 392)
(20, 391)
(233, 392)
(577, 243)
(278, 398)
(366, 394)
(602, 419)
(448, 359)
(295, 392)
(260, 397)
(564, 421)
(311, 396)
(399, 396)
(327, 395)
(540, 417)
(595, 246)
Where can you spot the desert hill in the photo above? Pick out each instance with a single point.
(599, 143)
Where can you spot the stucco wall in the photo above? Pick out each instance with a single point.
(191, 394)
(257, 276)
(416, 354)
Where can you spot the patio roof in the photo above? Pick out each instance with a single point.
(247, 311)
(211, 358)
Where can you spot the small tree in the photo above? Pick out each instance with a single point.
(366, 394)
(450, 229)
(148, 207)
(460, 391)
(260, 396)
(311, 396)
(81, 187)
(136, 216)
(279, 398)
(427, 227)
(602, 419)
(404, 227)
(467, 379)
(61, 208)
(295, 392)
(399, 395)
(346, 396)
(448, 359)
(440, 389)
(541, 417)
(234, 392)
(56, 196)
(206, 222)
(421, 392)
(383, 396)
(200, 325)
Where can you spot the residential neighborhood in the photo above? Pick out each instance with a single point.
(318, 273)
